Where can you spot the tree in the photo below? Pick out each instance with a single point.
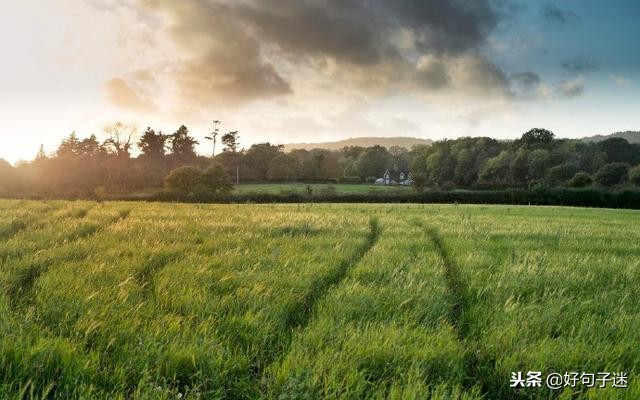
(120, 138)
(41, 155)
(464, 172)
(419, 182)
(495, 171)
(89, 147)
(634, 175)
(519, 168)
(284, 167)
(214, 137)
(329, 167)
(587, 156)
(612, 174)
(231, 141)
(352, 151)
(399, 159)
(183, 146)
(536, 138)
(8, 178)
(373, 162)
(619, 150)
(539, 161)
(152, 145)
(69, 146)
(259, 157)
(579, 180)
(232, 161)
(560, 174)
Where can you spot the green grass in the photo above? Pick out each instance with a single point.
(165, 301)
(278, 188)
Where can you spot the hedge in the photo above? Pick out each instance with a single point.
(602, 198)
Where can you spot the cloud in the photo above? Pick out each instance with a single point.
(432, 73)
(220, 61)
(553, 13)
(580, 65)
(121, 94)
(231, 52)
(620, 80)
(477, 75)
(571, 87)
(526, 80)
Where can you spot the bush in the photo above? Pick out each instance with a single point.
(634, 175)
(215, 180)
(612, 174)
(191, 180)
(183, 180)
(588, 197)
(580, 180)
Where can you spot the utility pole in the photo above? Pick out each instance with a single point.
(214, 136)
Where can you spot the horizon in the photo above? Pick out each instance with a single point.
(312, 72)
(203, 152)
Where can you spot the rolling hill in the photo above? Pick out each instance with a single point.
(387, 142)
(631, 136)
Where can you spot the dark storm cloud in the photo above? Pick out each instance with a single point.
(360, 31)
(553, 13)
(342, 30)
(580, 65)
(444, 26)
(242, 50)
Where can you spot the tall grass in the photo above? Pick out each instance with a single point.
(165, 301)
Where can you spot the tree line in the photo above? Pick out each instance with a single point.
(536, 159)
(85, 167)
(88, 167)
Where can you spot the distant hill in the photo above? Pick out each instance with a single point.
(387, 142)
(631, 136)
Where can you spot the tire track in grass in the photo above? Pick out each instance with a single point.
(301, 313)
(22, 222)
(475, 367)
(457, 289)
(20, 285)
(144, 276)
(39, 223)
(16, 225)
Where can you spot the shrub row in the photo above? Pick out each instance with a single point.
(624, 198)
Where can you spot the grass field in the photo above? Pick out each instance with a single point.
(278, 188)
(167, 301)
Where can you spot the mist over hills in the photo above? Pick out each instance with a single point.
(631, 136)
(387, 142)
(408, 142)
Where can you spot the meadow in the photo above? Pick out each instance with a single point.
(319, 188)
(131, 300)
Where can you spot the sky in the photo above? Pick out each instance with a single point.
(287, 71)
